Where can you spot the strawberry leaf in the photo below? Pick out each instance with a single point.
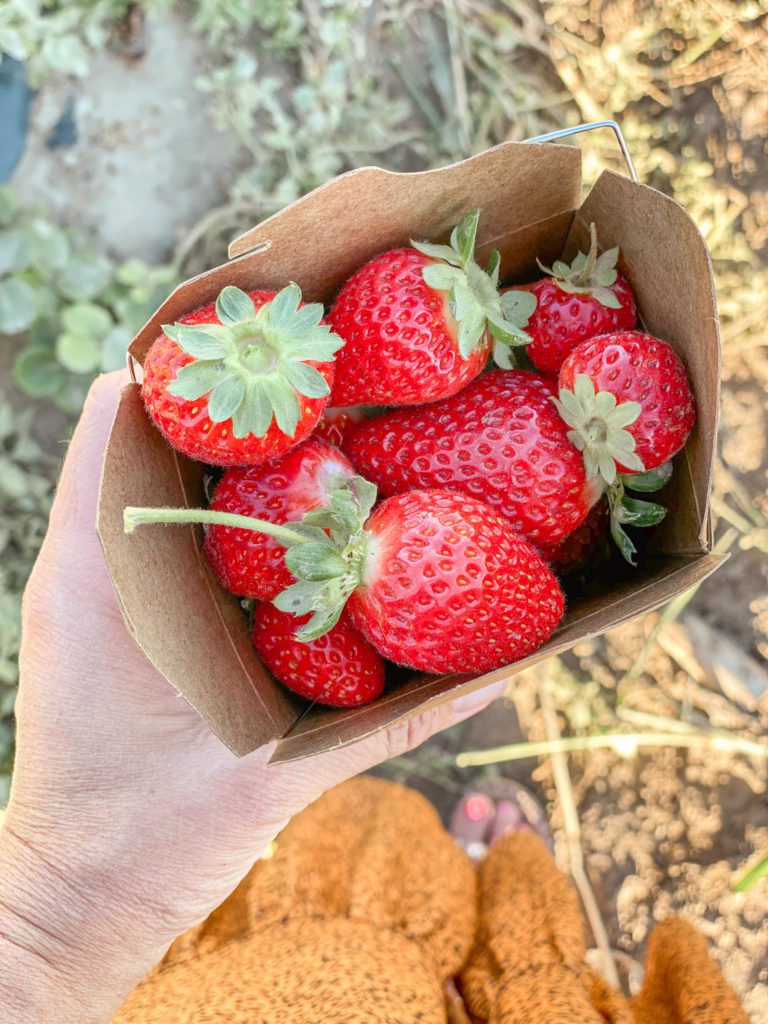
(196, 379)
(233, 306)
(285, 404)
(225, 399)
(315, 561)
(635, 512)
(652, 480)
(202, 341)
(518, 306)
(441, 277)
(464, 235)
(307, 380)
(438, 252)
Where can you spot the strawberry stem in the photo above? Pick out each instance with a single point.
(133, 517)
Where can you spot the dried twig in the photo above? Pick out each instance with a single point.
(573, 836)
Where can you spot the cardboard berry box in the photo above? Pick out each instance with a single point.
(530, 195)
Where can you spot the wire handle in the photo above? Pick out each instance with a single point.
(563, 133)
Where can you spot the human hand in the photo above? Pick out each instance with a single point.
(129, 821)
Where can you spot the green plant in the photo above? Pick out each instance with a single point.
(26, 488)
(75, 307)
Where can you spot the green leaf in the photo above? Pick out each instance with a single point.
(38, 373)
(366, 493)
(440, 276)
(307, 380)
(14, 251)
(506, 332)
(196, 379)
(438, 252)
(345, 508)
(299, 598)
(67, 54)
(322, 622)
(634, 512)
(283, 308)
(225, 398)
(84, 276)
(315, 562)
(18, 305)
(255, 413)
(518, 306)
(751, 877)
(494, 266)
(651, 480)
(285, 404)
(234, 305)
(606, 297)
(114, 348)
(472, 323)
(622, 541)
(464, 234)
(199, 341)
(79, 353)
(87, 320)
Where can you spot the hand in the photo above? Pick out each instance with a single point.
(129, 821)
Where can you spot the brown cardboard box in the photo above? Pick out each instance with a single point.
(530, 197)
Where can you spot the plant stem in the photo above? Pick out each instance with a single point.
(133, 517)
(624, 743)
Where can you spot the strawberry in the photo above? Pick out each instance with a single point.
(500, 440)
(573, 552)
(252, 564)
(436, 581)
(418, 323)
(577, 302)
(339, 668)
(336, 425)
(627, 399)
(628, 403)
(243, 379)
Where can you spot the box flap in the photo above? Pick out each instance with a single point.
(667, 262)
(187, 625)
(654, 586)
(320, 239)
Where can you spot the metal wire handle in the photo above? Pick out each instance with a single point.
(563, 133)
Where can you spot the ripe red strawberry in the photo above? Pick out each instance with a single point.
(573, 552)
(577, 302)
(252, 564)
(339, 668)
(500, 440)
(243, 379)
(336, 425)
(655, 411)
(435, 581)
(418, 323)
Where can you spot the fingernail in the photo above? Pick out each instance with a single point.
(479, 699)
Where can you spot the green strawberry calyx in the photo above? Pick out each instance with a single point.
(254, 364)
(327, 552)
(628, 511)
(598, 428)
(589, 273)
(473, 293)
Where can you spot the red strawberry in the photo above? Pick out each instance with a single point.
(655, 411)
(500, 440)
(336, 425)
(243, 379)
(435, 581)
(577, 302)
(573, 552)
(339, 668)
(252, 564)
(418, 323)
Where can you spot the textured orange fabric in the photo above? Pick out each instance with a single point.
(684, 984)
(368, 907)
(365, 910)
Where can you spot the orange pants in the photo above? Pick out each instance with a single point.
(368, 909)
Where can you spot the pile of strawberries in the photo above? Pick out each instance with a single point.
(492, 480)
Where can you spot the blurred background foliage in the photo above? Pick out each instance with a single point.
(310, 89)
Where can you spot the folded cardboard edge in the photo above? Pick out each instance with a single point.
(257, 235)
(313, 735)
(189, 628)
(321, 238)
